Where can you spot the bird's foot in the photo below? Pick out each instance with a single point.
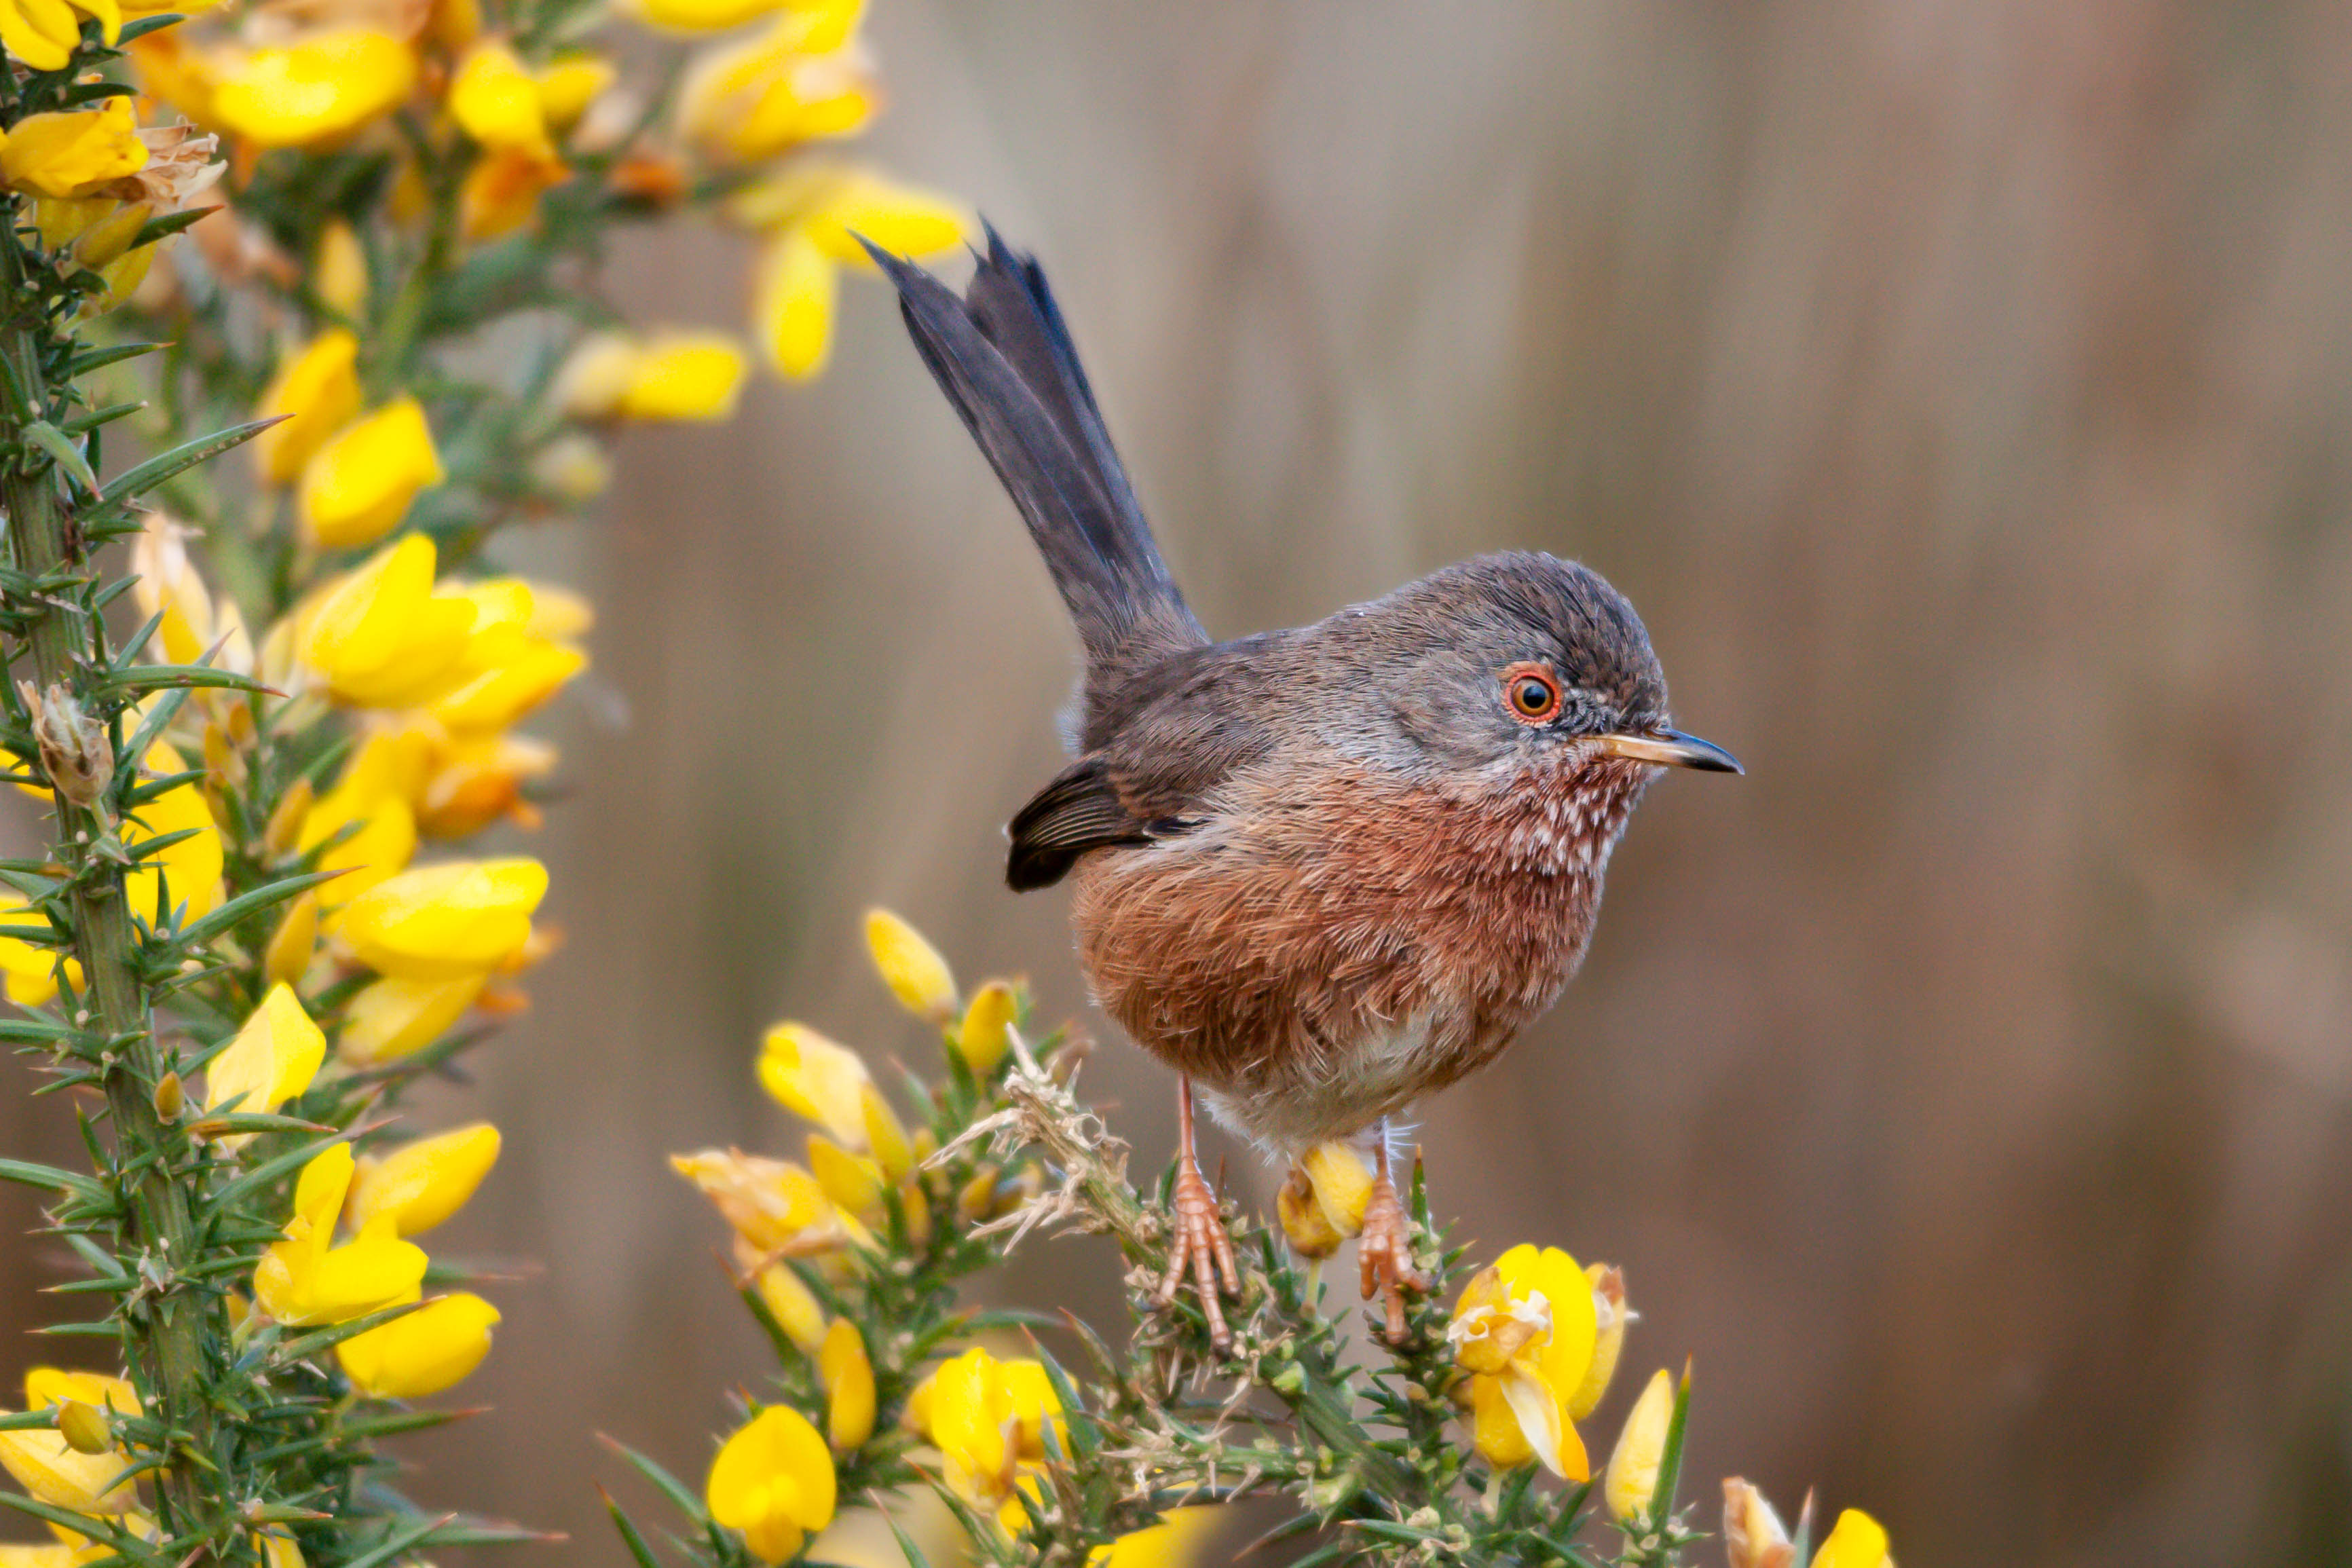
(1384, 1253)
(1201, 1246)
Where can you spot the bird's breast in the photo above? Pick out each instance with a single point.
(1324, 948)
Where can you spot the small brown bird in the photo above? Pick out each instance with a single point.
(1319, 872)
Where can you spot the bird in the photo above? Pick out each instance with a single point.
(1320, 872)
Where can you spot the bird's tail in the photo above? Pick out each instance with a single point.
(1005, 360)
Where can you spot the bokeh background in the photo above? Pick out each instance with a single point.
(1961, 391)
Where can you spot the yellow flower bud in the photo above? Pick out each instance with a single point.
(1310, 1234)
(273, 1058)
(1341, 1175)
(917, 976)
(103, 243)
(853, 1183)
(283, 831)
(815, 1078)
(423, 1352)
(986, 1033)
(885, 1135)
(1753, 1535)
(83, 1429)
(792, 1304)
(795, 287)
(1633, 1478)
(358, 486)
(842, 1367)
(1856, 1541)
(171, 1098)
(774, 1481)
(317, 391)
(442, 923)
(288, 957)
(340, 275)
(497, 102)
(394, 1018)
(420, 1184)
(676, 375)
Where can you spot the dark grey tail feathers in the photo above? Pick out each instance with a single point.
(1004, 359)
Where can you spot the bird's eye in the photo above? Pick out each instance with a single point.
(1531, 693)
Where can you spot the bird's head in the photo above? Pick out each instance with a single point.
(1510, 661)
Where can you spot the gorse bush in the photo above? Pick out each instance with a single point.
(1048, 1441)
(269, 699)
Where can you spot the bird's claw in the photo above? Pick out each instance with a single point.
(1201, 1246)
(1384, 1254)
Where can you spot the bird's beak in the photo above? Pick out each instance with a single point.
(1670, 749)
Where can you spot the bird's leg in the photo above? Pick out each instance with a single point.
(1385, 1252)
(1200, 1242)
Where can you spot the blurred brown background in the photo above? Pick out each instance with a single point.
(1960, 390)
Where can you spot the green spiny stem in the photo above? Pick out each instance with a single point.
(168, 1330)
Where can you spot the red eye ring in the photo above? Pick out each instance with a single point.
(1531, 692)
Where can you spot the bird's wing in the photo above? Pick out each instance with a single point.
(1183, 728)
(1080, 810)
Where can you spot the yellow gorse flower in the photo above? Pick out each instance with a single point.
(670, 377)
(772, 1481)
(72, 153)
(394, 1018)
(445, 921)
(917, 976)
(358, 486)
(848, 1374)
(1327, 1207)
(803, 79)
(313, 89)
(305, 1278)
(317, 391)
(44, 34)
(776, 1208)
(382, 636)
(810, 215)
(986, 1417)
(817, 1079)
(273, 1058)
(516, 657)
(1633, 1478)
(1856, 1541)
(421, 1353)
(496, 100)
(1523, 1329)
(50, 1468)
(419, 1185)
